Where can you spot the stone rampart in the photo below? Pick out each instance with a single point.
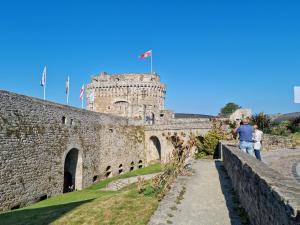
(45, 146)
(268, 197)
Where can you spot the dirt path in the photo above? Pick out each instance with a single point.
(205, 198)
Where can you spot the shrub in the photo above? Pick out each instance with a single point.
(208, 145)
(263, 121)
(281, 129)
(294, 125)
(210, 142)
(161, 183)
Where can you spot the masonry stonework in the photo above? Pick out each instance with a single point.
(136, 96)
(41, 141)
(268, 197)
(47, 149)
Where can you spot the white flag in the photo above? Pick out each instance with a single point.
(296, 94)
(43, 81)
(67, 85)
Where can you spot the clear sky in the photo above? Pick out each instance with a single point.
(207, 52)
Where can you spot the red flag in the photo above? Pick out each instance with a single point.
(146, 54)
(82, 92)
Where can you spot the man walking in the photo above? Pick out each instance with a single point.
(245, 132)
(257, 138)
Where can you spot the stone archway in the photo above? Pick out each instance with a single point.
(72, 171)
(154, 149)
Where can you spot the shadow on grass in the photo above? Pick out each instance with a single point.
(236, 213)
(40, 216)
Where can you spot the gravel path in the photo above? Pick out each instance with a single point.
(119, 184)
(205, 198)
(285, 161)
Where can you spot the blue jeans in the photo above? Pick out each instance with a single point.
(247, 147)
(257, 154)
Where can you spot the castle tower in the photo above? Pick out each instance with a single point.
(138, 96)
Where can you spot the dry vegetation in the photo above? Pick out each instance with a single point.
(161, 184)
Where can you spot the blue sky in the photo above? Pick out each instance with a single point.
(207, 52)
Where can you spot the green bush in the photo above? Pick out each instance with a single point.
(149, 191)
(209, 143)
(294, 125)
(281, 129)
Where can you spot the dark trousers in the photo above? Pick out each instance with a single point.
(257, 154)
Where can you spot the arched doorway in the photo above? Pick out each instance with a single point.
(73, 171)
(154, 149)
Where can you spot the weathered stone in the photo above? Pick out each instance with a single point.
(268, 197)
(37, 142)
(48, 148)
(137, 96)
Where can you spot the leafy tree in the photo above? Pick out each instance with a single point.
(229, 108)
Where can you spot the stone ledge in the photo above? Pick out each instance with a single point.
(267, 196)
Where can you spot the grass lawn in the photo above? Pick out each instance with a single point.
(90, 206)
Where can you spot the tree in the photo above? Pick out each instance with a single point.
(229, 108)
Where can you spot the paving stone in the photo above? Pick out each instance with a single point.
(207, 198)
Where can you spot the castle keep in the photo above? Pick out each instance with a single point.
(136, 96)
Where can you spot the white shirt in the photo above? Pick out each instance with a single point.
(257, 138)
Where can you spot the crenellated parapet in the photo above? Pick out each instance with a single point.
(139, 96)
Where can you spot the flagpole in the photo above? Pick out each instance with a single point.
(68, 90)
(44, 81)
(151, 61)
(44, 92)
(82, 103)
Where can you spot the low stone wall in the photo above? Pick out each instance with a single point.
(273, 142)
(268, 197)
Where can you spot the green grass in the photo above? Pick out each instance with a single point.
(90, 206)
(155, 168)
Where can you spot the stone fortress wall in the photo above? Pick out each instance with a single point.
(135, 96)
(47, 147)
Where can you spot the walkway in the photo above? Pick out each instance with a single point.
(285, 161)
(205, 198)
(119, 184)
